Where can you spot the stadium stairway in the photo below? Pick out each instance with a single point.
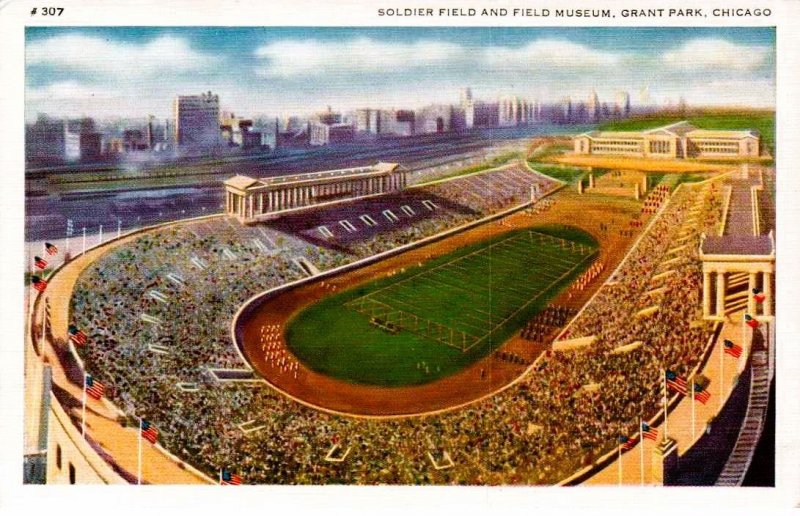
(736, 302)
(738, 463)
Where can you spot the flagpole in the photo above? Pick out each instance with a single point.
(84, 240)
(693, 415)
(721, 373)
(220, 477)
(83, 410)
(139, 467)
(619, 461)
(664, 379)
(101, 233)
(641, 450)
(744, 331)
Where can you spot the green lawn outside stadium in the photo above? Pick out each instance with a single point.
(475, 290)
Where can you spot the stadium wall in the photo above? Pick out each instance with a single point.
(89, 466)
(71, 460)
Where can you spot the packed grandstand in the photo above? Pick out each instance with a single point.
(157, 313)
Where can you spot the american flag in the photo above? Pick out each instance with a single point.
(732, 349)
(226, 478)
(626, 443)
(38, 283)
(50, 248)
(701, 394)
(750, 321)
(39, 263)
(676, 383)
(76, 335)
(94, 388)
(758, 295)
(149, 432)
(649, 432)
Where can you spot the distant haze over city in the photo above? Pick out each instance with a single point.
(135, 72)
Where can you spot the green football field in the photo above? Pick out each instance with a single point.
(432, 320)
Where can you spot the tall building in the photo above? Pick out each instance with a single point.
(624, 103)
(327, 134)
(468, 106)
(50, 139)
(396, 122)
(368, 121)
(436, 118)
(514, 111)
(150, 136)
(593, 107)
(197, 121)
(239, 132)
(568, 115)
(507, 111)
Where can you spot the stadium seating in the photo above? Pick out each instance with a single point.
(538, 431)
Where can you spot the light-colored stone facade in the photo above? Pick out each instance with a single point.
(679, 140)
(250, 200)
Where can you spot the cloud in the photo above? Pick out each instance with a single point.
(165, 54)
(719, 54)
(289, 59)
(546, 53)
(65, 90)
(295, 58)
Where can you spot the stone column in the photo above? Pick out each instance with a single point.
(591, 180)
(580, 186)
(767, 281)
(751, 302)
(720, 308)
(637, 191)
(706, 293)
(644, 183)
(664, 462)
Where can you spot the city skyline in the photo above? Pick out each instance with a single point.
(132, 72)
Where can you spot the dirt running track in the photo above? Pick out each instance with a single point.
(316, 390)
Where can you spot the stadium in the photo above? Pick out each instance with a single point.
(498, 327)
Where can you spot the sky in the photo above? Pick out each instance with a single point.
(108, 72)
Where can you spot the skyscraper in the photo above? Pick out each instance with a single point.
(593, 107)
(468, 106)
(197, 123)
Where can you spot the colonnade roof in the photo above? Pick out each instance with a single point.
(678, 129)
(342, 173)
(241, 182)
(737, 245)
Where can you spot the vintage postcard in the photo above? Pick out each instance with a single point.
(473, 245)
